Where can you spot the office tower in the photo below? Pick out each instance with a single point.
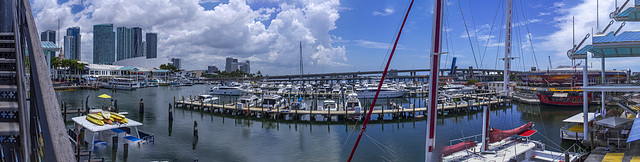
(125, 43)
(48, 35)
(72, 44)
(152, 45)
(104, 44)
(137, 42)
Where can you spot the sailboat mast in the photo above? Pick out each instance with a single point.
(436, 46)
(507, 50)
(301, 70)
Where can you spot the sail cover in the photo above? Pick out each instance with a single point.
(448, 150)
(496, 135)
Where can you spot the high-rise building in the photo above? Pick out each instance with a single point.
(176, 63)
(212, 69)
(233, 65)
(72, 44)
(227, 65)
(49, 35)
(144, 48)
(137, 42)
(125, 43)
(152, 45)
(104, 44)
(244, 66)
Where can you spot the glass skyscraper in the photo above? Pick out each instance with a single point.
(152, 45)
(125, 43)
(72, 44)
(48, 35)
(103, 44)
(137, 42)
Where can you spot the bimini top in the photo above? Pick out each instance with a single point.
(625, 44)
(82, 121)
(579, 118)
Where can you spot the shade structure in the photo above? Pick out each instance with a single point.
(634, 134)
(613, 122)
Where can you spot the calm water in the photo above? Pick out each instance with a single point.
(228, 138)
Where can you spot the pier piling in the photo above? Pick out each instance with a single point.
(141, 110)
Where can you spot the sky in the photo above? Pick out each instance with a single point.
(342, 36)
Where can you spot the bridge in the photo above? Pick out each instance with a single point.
(31, 124)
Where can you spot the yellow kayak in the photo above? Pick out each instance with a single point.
(95, 119)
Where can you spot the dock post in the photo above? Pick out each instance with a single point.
(195, 128)
(125, 150)
(174, 101)
(114, 145)
(65, 111)
(115, 105)
(141, 110)
(170, 113)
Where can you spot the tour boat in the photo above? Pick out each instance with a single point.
(562, 97)
(121, 83)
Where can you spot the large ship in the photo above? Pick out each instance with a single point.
(562, 97)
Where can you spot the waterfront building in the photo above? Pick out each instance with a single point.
(176, 62)
(565, 75)
(143, 62)
(212, 69)
(152, 45)
(72, 44)
(103, 44)
(125, 43)
(137, 42)
(49, 35)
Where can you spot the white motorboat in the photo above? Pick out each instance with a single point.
(272, 101)
(385, 92)
(249, 100)
(233, 90)
(329, 105)
(207, 99)
(353, 103)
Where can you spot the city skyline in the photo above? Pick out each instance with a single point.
(340, 36)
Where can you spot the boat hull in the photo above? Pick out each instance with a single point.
(569, 101)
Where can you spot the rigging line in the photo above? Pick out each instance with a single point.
(490, 32)
(390, 45)
(448, 35)
(468, 35)
(366, 120)
(519, 45)
(499, 40)
(388, 149)
(528, 32)
(445, 36)
(475, 31)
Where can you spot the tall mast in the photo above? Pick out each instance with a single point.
(301, 70)
(507, 50)
(436, 46)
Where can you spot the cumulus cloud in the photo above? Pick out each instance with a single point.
(385, 12)
(267, 36)
(558, 42)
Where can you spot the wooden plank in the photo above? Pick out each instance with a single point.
(61, 145)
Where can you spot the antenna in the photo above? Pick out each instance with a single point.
(550, 65)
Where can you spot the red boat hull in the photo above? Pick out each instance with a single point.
(572, 101)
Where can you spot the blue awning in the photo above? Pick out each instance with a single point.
(634, 134)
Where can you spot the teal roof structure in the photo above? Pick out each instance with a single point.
(583, 50)
(49, 46)
(630, 14)
(129, 68)
(625, 44)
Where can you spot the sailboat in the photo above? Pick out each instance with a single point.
(495, 145)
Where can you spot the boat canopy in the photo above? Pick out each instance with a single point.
(579, 118)
(82, 121)
(560, 94)
(634, 134)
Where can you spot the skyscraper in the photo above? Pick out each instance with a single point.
(48, 35)
(125, 43)
(72, 44)
(244, 66)
(212, 69)
(152, 45)
(144, 48)
(176, 62)
(104, 44)
(137, 42)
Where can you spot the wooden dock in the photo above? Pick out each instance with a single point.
(394, 109)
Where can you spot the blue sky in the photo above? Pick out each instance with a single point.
(339, 36)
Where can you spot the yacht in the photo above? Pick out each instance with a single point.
(249, 100)
(207, 99)
(353, 103)
(272, 101)
(385, 92)
(233, 90)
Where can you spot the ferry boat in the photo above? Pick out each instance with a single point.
(573, 128)
(121, 83)
(562, 97)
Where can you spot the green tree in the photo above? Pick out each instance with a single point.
(472, 81)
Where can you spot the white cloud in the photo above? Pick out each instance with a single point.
(269, 37)
(558, 42)
(387, 11)
(544, 13)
